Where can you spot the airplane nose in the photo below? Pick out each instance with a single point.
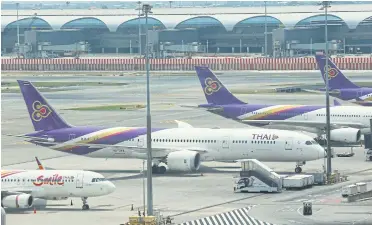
(110, 187)
(321, 152)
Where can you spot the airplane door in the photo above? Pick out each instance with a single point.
(71, 136)
(359, 94)
(288, 144)
(79, 180)
(225, 142)
(306, 116)
(140, 141)
(243, 110)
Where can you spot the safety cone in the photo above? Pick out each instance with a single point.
(34, 210)
(131, 208)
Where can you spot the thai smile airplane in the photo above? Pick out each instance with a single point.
(341, 87)
(23, 189)
(177, 149)
(348, 123)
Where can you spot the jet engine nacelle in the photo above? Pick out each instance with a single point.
(22, 201)
(347, 135)
(39, 203)
(188, 161)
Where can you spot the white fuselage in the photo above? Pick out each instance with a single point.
(347, 114)
(223, 145)
(51, 184)
(357, 114)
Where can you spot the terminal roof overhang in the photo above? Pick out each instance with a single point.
(352, 15)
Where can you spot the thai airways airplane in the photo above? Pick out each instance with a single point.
(177, 149)
(348, 123)
(23, 189)
(341, 87)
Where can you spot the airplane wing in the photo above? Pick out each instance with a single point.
(143, 149)
(17, 190)
(317, 91)
(206, 107)
(182, 124)
(304, 123)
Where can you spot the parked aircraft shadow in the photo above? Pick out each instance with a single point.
(51, 209)
(57, 208)
(202, 170)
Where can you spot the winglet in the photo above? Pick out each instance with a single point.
(41, 167)
(183, 124)
(336, 103)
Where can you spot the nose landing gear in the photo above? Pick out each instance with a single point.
(85, 203)
(298, 168)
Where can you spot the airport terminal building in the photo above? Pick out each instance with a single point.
(291, 30)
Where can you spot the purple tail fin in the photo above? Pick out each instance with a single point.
(337, 80)
(215, 92)
(42, 115)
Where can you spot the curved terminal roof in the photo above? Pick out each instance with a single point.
(289, 16)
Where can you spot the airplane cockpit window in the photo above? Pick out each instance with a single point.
(314, 142)
(308, 143)
(98, 179)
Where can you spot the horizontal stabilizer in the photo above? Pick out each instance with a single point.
(35, 139)
(190, 106)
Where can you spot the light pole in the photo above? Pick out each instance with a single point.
(146, 9)
(139, 28)
(17, 4)
(325, 6)
(144, 188)
(265, 31)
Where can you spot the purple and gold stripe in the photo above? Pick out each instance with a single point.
(96, 138)
(6, 173)
(271, 112)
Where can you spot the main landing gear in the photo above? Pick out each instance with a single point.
(85, 203)
(156, 169)
(298, 168)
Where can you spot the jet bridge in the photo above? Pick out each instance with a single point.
(257, 177)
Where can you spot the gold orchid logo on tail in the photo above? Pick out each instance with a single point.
(332, 72)
(40, 111)
(211, 86)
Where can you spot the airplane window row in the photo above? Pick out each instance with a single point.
(180, 140)
(254, 142)
(98, 179)
(34, 180)
(339, 115)
(277, 114)
(90, 139)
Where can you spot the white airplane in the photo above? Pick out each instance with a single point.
(348, 123)
(177, 149)
(24, 189)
